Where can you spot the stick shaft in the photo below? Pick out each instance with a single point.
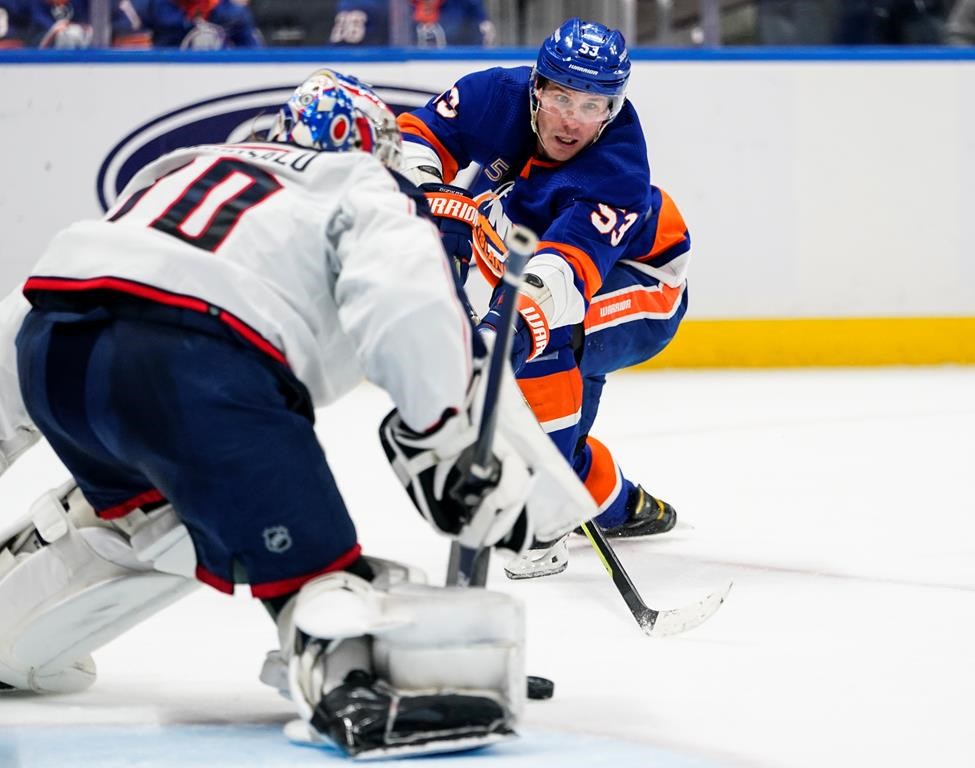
(468, 567)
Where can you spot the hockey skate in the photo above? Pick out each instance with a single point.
(647, 516)
(542, 560)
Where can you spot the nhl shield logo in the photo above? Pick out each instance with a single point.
(277, 539)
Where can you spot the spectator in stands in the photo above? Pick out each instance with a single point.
(892, 22)
(961, 24)
(426, 23)
(198, 24)
(14, 24)
(62, 24)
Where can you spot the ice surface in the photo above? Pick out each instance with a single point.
(839, 502)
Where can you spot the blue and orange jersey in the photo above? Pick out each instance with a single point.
(592, 211)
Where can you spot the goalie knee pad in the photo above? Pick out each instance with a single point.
(412, 669)
(70, 583)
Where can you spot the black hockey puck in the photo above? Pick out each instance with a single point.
(540, 687)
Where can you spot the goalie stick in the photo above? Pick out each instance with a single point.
(653, 622)
(468, 567)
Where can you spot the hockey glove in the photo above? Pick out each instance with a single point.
(434, 469)
(456, 215)
(531, 329)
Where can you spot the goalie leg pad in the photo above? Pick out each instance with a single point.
(412, 669)
(70, 583)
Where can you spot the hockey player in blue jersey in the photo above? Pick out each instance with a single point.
(562, 151)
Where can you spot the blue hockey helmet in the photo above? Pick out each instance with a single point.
(585, 56)
(333, 112)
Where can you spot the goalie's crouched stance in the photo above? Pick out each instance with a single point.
(162, 374)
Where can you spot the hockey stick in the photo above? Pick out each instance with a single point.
(653, 622)
(468, 567)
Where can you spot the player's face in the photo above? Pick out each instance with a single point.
(568, 121)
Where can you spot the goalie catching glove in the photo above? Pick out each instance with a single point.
(434, 468)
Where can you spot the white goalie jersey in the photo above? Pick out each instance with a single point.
(305, 254)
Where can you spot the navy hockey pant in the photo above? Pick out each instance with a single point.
(142, 412)
(630, 320)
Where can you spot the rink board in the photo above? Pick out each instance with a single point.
(822, 186)
(263, 746)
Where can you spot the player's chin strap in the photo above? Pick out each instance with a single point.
(70, 583)
(405, 670)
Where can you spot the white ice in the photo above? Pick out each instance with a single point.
(839, 502)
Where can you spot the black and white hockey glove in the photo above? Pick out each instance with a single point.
(433, 467)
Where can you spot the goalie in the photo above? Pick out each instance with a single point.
(173, 354)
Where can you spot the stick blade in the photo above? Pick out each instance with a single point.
(677, 620)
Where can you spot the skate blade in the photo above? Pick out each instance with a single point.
(519, 573)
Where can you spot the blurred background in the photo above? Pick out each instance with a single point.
(210, 24)
(821, 151)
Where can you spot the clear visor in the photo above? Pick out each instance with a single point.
(568, 104)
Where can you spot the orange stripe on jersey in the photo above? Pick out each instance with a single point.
(659, 300)
(554, 396)
(671, 228)
(532, 162)
(581, 263)
(411, 124)
(603, 481)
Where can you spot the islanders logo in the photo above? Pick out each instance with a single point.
(228, 118)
